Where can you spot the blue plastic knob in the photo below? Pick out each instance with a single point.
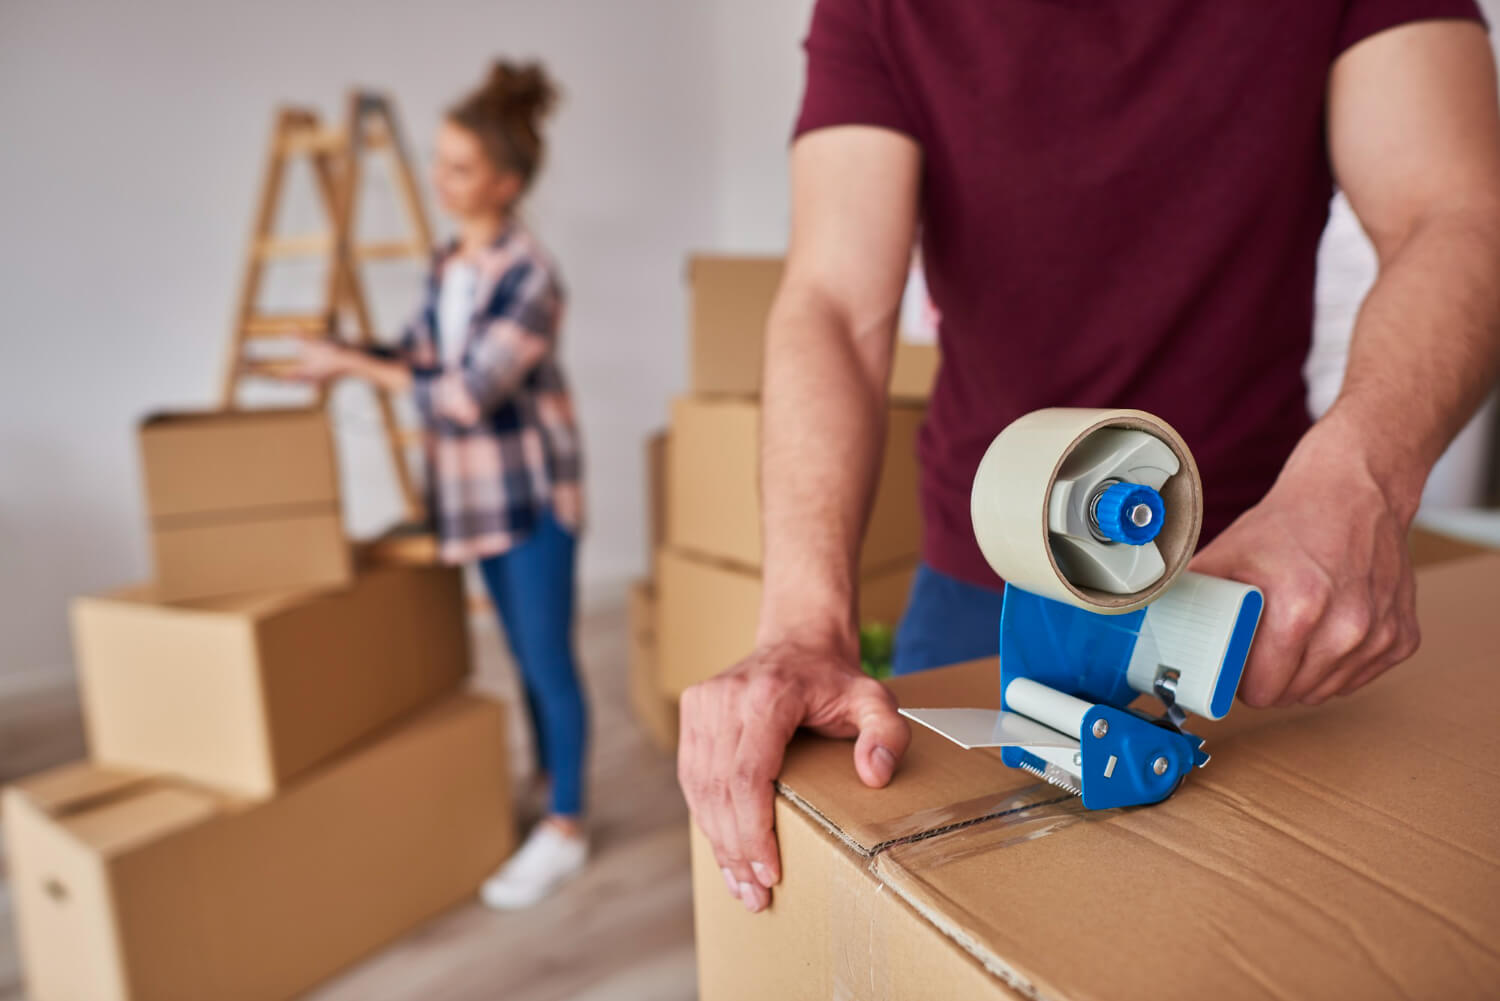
(1131, 513)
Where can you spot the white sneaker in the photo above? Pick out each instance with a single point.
(548, 859)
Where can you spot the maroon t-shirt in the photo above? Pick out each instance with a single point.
(1121, 207)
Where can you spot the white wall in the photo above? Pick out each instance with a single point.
(758, 76)
(131, 140)
(1346, 269)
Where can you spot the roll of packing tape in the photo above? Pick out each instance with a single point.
(1046, 480)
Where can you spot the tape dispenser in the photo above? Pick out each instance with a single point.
(1090, 518)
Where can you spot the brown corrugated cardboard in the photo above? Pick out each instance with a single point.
(713, 495)
(731, 302)
(1428, 547)
(404, 545)
(1340, 851)
(835, 932)
(914, 368)
(706, 613)
(243, 501)
(655, 711)
(731, 299)
(244, 693)
(135, 888)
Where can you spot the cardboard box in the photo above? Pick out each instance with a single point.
(731, 302)
(713, 485)
(245, 693)
(135, 888)
(405, 545)
(655, 711)
(707, 613)
(914, 368)
(731, 298)
(1350, 850)
(1428, 547)
(242, 501)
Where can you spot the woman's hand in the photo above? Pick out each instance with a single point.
(451, 399)
(1327, 546)
(321, 361)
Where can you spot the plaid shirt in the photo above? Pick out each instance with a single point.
(501, 441)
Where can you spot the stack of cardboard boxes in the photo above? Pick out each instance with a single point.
(284, 772)
(696, 614)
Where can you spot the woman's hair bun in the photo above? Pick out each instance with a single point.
(506, 113)
(521, 87)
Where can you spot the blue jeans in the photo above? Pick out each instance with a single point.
(531, 586)
(946, 621)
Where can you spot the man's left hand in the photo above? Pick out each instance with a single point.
(1327, 547)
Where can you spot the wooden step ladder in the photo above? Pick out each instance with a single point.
(336, 157)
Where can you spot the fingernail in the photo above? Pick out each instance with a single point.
(729, 881)
(762, 874)
(885, 759)
(748, 898)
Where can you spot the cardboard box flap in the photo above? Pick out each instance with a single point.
(224, 463)
(253, 604)
(1346, 850)
(938, 786)
(79, 786)
(112, 811)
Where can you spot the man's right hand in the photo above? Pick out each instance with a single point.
(735, 728)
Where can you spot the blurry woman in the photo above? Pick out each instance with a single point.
(480, 359)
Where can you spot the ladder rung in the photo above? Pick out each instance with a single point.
(279, 368)
(301, 245)
(287, 324)
(391, 248)
(312, 140)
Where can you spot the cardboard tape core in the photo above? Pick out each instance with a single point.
(1013, 490)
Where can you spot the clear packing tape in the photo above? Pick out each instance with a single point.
(1030, 488)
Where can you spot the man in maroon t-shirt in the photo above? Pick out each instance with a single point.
(1120, 206)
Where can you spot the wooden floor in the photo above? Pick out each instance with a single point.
(622, 931)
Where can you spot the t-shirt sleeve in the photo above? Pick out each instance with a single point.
(848, 79)
(1363, 18)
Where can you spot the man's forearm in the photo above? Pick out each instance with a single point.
(1425, 349)
(822, 431)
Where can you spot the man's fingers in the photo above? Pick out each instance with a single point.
(883, 734)
(1408, 637)
(1291, 610)
(735, 729)
(702, 748)
(1280, 643)
(1334, 644)
(752, 795)
(1389, 638)
(772, 710)
(722, 784)
(1380, 639)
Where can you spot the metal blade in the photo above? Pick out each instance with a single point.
(970, 728)
(1055, 775)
